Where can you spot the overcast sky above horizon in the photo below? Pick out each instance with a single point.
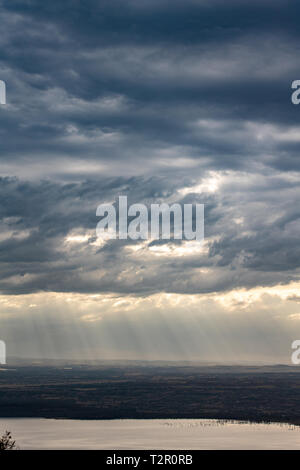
(183, 101)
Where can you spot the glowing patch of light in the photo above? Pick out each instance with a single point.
(77, 239)
(210, 184)
(294, 316)
(186, 248)
(242, 298)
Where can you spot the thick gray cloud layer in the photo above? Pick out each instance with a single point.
(149, 99)
(251, 238)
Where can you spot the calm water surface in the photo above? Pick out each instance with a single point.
(150, 434)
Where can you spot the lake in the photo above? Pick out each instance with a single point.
(150, 434)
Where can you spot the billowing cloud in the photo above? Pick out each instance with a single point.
(187, 102)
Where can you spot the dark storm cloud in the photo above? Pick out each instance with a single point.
(245, 247)
(147, 98)
(113, 81)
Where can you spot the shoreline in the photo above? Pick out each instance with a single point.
(217, 420)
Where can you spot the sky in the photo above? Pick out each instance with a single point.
(182, 101)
